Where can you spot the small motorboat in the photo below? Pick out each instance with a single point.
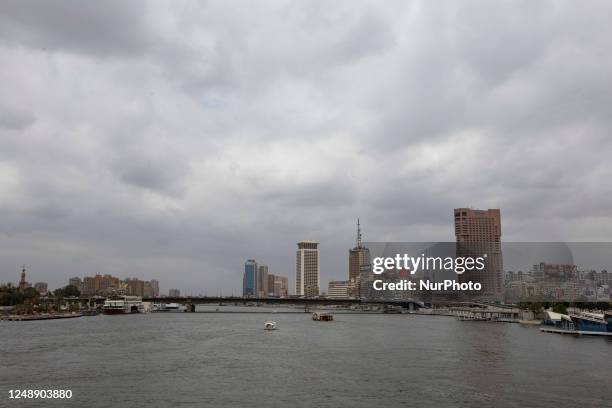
(270, 325)
(322, 317)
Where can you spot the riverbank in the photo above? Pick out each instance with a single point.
(21, 318)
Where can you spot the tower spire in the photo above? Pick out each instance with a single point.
(358, 234)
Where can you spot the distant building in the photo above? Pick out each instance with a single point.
(41, 287)
(105, 284)
(88, 286)
(135, 287)
(271, 278)
(261, 285)
(338, 290)
(249, 280)
(76, 282)
(478, 232)
(23, 284)
(174, 293)
(278, 286)
(358, 256)
(307, 269)
(151, 288)
(359, 269)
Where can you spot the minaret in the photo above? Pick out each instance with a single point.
(22, 283)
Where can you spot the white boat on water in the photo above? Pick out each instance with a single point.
(168, 307)
(270, 325)
(122, 304)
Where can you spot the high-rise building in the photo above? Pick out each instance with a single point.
(281, 286)
(278, 286)
(154, 284)
(104, 284)
(307, 269)
(359, 268)
(249, 280)
(358, 256)
(88, 287)
(271, 278)
(151, 288)
(174, 293)
(261, 284)
(478, 232)
(135, 287)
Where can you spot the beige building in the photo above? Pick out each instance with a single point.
(261, 283)
(281, 286)
(307, 269)
(151, 288)
(478, 232)
(104, 284)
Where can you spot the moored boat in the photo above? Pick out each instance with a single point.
(122, 304)
(583, 323)
(168, 307)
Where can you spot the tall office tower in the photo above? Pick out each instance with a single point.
(478, 232)
(249, 281)
(359, 257)
(307, 273)
(174, 293)
(262, 281)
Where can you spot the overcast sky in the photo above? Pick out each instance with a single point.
(174, 140)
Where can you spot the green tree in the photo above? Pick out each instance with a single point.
(30, 294)
(71, 291)
(560, 308)
(10, 296)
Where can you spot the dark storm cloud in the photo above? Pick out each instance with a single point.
(106, 28)
(164, 174)
(174, 140)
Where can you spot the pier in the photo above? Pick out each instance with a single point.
(575, 332)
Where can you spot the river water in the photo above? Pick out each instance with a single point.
(358, 360)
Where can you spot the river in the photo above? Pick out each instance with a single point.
(358, 360)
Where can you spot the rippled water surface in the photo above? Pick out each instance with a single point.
(227, 359)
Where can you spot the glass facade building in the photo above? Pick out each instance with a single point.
(250, 278)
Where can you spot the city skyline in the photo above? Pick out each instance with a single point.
(174, 141)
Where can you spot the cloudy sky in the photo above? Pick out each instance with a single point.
(174, 140)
